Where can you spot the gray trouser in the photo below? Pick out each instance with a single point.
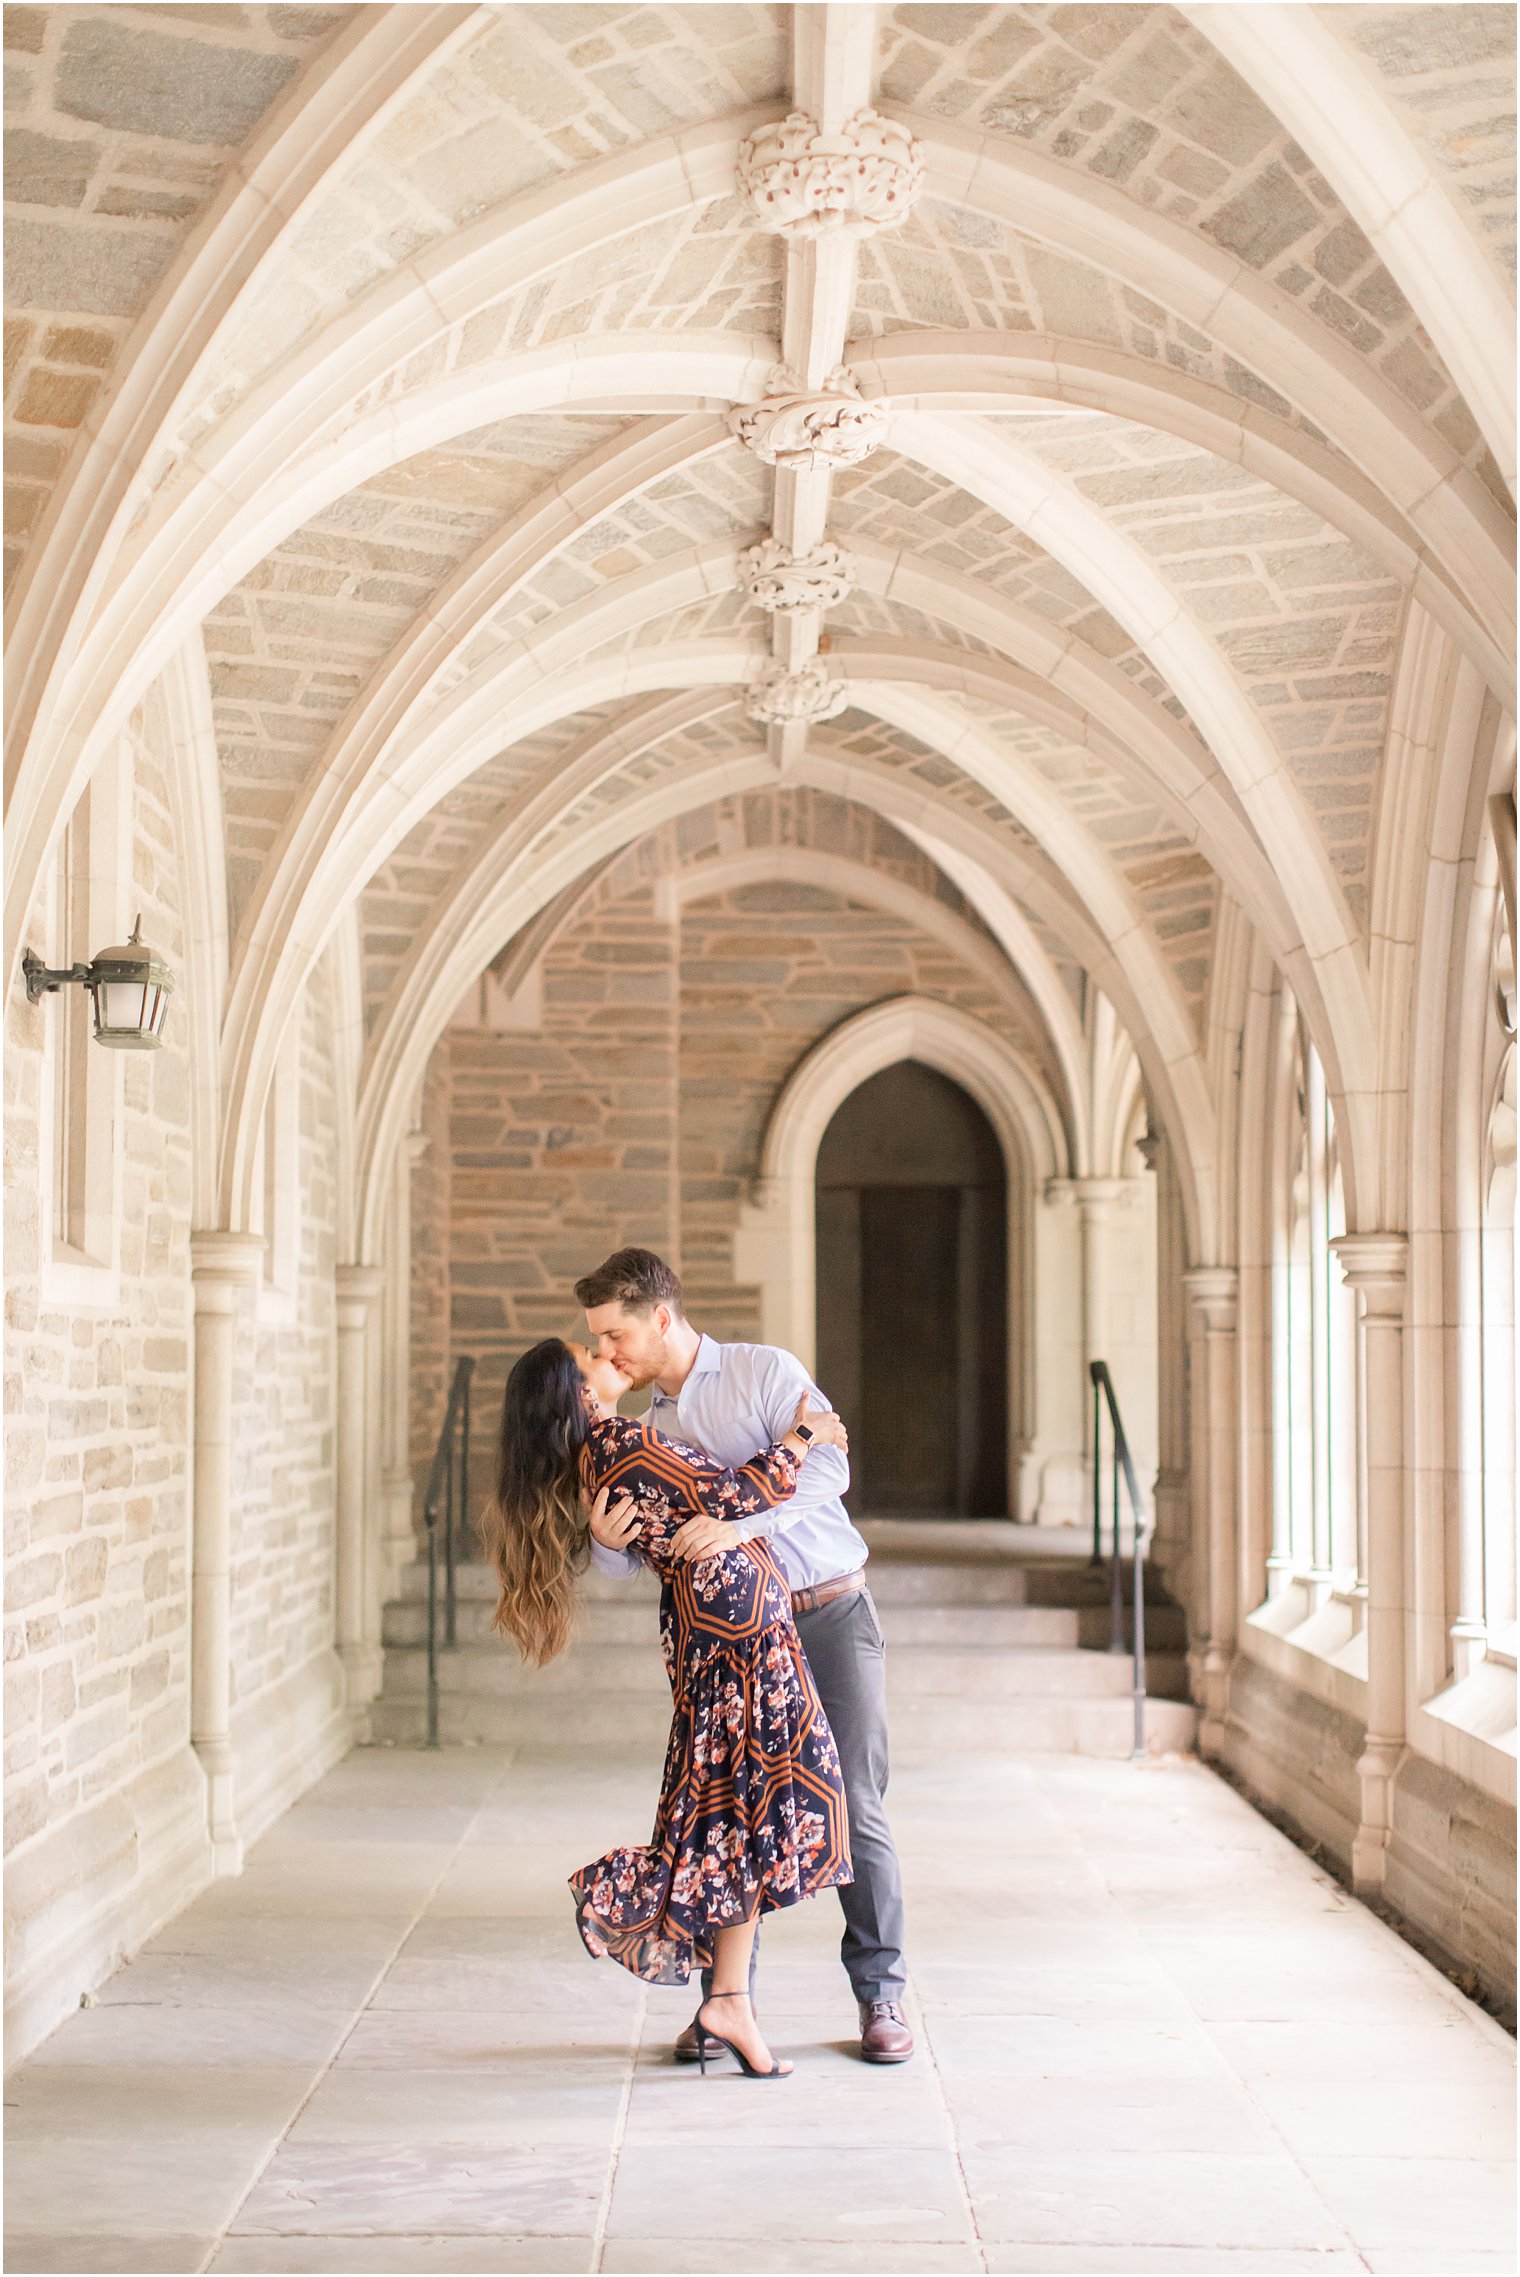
(845, 1652)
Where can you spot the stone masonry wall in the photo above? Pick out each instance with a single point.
(97, 1409)
(637, 1110)
(767, 970)
(104, 1799)
(283, 1542)
(431, 1183)
(562, 1141)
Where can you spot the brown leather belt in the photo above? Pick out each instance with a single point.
(824, 1592)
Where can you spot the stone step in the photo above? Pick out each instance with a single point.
(1045, 1727)
(1064, 1586)
(597, 1621)
(994, 1582)
(979, 1673)
(936, 1725)
(610, 1621)
(476, 1585)
(991, 1647)
(610, 1673)
(640, 1726)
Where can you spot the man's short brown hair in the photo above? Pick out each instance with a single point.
(635, 1279)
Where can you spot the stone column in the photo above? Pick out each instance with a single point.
(1213, 1294)
(359, 1289)
(1375, 1266)
(1172, 1544)
(1095, 1200)
(396, 1486)
(221, 1263)
(1469, 1629)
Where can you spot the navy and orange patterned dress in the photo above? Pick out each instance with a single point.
(752, 1812)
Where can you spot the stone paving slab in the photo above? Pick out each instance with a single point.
(1153, 2037)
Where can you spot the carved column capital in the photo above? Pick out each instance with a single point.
(801, 182)
(357, 1286)
(807, 430)
(1214, 1292)
(788, 699)
(221, 1262)
(1094, 1197)
(784, 583)
(1375, 1264)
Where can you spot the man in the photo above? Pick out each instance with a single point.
(731, 1400)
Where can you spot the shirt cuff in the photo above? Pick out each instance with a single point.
(746, 1529)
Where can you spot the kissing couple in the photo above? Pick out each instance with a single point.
(775, 1776)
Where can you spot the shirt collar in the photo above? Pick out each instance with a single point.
(708, 1362)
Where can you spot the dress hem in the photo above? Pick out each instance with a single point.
(677, 1969)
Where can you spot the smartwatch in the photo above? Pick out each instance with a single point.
(804, 1434)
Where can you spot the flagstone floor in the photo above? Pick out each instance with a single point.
(1153, 2037)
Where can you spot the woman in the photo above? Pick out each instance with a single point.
(751, 1813)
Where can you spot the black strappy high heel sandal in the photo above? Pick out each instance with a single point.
(705, 2032)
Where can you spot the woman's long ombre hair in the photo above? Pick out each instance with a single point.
(534, 1531)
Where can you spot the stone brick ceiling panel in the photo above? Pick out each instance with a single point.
(396, 901)
(120, 124)
(1171, 881)
(1310, 624)
(726, 496)
(729, 615)
(857, 734)
(663, 761)
(706, 272)
(292, 645)
(1137, 98)
(862, 616)
(1447, 71)
(539, 92)
(892, 502)
(868, 616)
(953, 269)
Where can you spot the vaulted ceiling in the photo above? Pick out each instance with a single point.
(423, 368)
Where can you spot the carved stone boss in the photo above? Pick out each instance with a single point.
(784, 583)
(801, 182)
(804, 429)
(789, 699)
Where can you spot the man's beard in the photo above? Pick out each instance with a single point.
(642, 1372)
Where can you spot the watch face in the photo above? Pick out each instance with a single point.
(804, 1433)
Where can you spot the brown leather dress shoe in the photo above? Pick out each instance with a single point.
(884, 2037)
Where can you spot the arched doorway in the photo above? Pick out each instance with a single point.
(912, 1294)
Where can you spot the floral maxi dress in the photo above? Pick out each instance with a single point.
(752, 1811)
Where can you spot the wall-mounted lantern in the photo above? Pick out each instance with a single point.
(129, 987)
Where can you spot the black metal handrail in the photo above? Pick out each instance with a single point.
(447, 1496)
(1120, 1460)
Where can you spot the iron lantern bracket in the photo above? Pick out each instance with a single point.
(45, 980)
